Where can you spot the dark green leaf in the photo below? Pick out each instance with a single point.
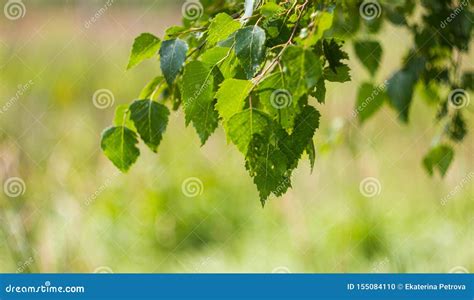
(120, 146)
(439, 158)
(400, 92)
(304, 70)
(320, 91)
(369, 100)
(268, 167)
(456, 128)
(150, 119)
(311, 154)
(340, 75)
(334, 54)
(294, 145)
(250, 49)
(369, 53)
(172, 57)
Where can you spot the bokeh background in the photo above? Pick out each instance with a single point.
(76, 213)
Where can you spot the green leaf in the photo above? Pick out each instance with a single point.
(369, 100)
(323, 21)
(320, 91)
(221, 27)
(456, 128)
(231, 97)
(340, 75)
(311, 154)
(277, 31)
(172, 57)
(250, 49)
(244, 125)
(400, 92)
(224, 57)
(268, 167)
(271, 10)
(439, 158)
(278, 101)
(122, 117)
(120, 146)
(228, 42)
(150, 119)
(214, 55)
(174, 31)
(369, 53)
(150, 88)
(198, 99)
(294, 145)
(402, 84)
(303, 70)
(334, 54)
(145, 46)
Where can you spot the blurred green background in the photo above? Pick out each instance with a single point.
(76, 213)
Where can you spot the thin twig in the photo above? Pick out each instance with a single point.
(269, 68)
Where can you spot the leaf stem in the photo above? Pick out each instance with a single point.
(156, 89)
(269, 68)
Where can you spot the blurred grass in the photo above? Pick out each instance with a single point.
(78, 213)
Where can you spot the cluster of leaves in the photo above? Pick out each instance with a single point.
(261, 74)
(441, 33)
